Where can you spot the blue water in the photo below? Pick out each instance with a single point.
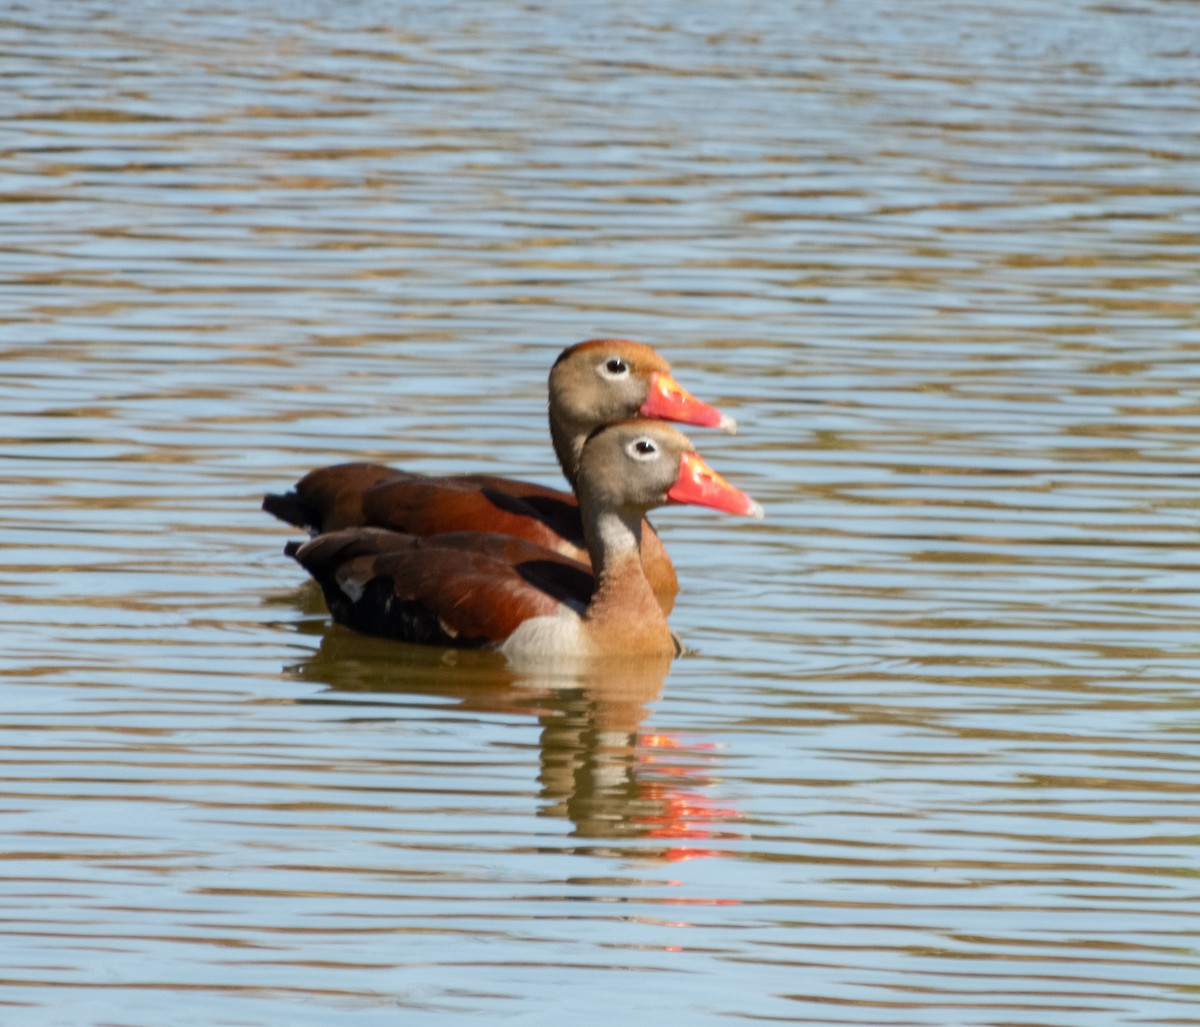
(934, 759)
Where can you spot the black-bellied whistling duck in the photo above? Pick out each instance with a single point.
(591, 384)
(483, 590)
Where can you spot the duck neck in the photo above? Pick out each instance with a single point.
(568, 443)
(623, 609)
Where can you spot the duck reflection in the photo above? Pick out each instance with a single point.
(600, 767)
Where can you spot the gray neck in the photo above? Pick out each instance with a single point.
(614, 539)
(568, 440)
(568, 443)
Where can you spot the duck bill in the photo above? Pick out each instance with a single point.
(670, 401)
(701, 485)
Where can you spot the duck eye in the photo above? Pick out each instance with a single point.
(614, 367)
(642, 449)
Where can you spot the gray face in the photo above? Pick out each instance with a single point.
(597, 384)
(632, 464)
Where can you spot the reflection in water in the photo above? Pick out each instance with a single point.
(599, 765)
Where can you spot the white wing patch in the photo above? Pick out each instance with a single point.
(554, 635)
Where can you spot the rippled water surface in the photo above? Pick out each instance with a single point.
(935, 760)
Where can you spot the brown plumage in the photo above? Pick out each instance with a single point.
(591, 384)
(481, 589)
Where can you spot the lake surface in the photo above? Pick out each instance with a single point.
(935, 759)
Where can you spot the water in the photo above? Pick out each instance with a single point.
(935, 758)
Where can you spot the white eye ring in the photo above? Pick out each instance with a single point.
(613, 368)
(642, 449)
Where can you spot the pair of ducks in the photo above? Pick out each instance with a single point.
(483, 562)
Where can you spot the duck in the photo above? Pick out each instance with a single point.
(483, 590)
(592, 383)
